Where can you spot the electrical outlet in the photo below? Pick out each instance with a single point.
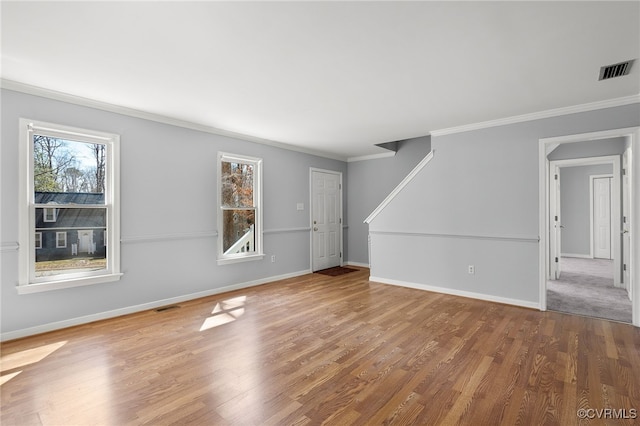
(273, 258)
(472, 269)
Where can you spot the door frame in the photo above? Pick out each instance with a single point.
(340, 228)
(555, 230)
(632, 134)
(592, 240)
(614, 160)
(626, 213)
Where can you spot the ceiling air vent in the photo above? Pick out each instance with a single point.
(615, 70)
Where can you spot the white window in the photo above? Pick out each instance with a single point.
(240, 214)
(69, 179)
(61, 239)
(49, 214)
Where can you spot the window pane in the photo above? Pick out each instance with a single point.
(237, 184)
(49, 214)
(74, 243)
(238, 231)
(73, 219)
(61, 240)
(68, 172)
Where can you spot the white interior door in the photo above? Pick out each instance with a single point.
(326, 219)
(626, 219)
(555, 229)
(602, 218)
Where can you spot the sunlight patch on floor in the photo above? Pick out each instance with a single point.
(4, 379)
(225, 312)
(26, 357)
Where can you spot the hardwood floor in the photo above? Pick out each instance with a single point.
(327, 350)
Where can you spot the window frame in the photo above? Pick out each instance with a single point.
(37, 240)
(28, 281)
(258, 253)
(58, 239)
(54, 214)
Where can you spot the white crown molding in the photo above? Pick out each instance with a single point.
(78, 100)
(610, 103)
(131, 112)
(399, 188)
(371, 157)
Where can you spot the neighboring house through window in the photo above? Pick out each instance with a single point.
(240, 214)
(69, 207)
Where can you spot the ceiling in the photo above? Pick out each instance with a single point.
(331, 77)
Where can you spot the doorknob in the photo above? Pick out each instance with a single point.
(315, 228)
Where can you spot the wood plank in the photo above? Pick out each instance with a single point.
(324, 350)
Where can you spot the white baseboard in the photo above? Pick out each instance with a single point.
(17, 334)
(581, 256)
(362, 265)
(462, 293)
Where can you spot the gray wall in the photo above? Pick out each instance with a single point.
(476, 203)
(372, 181)
(575, 206)
(595, 148)
(168, 212)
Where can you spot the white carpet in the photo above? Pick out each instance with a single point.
(586, 288)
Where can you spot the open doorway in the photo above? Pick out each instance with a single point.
(586, 230)
(585, 194)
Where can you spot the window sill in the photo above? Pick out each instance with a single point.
(230, 260)
(67, 283)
